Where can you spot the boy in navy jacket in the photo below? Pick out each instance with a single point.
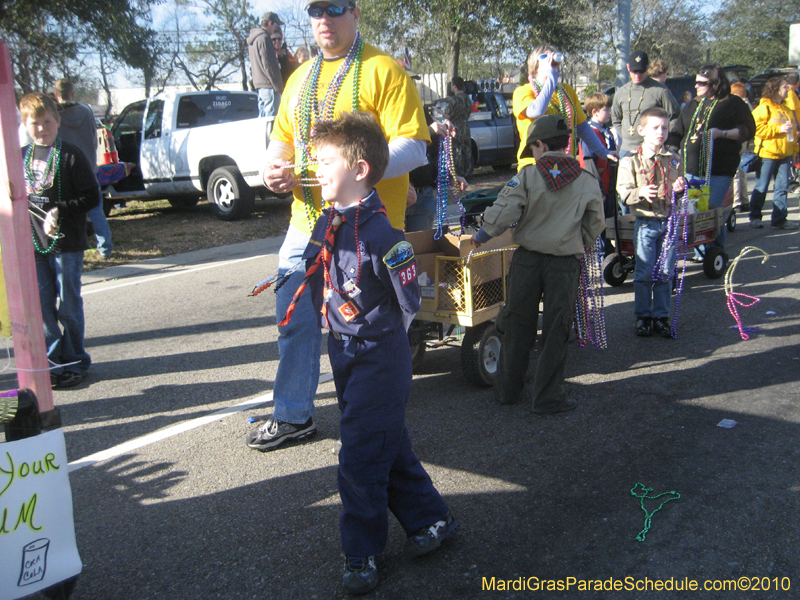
(363, 279)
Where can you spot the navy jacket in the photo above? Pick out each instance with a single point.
(388, 285)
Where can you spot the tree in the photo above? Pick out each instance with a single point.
(40, 52)
(754, 32)
(232, 21)
(445, 32)
(671, 30)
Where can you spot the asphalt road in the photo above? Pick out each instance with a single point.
(193, 513)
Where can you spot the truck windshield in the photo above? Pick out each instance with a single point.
(212, 108)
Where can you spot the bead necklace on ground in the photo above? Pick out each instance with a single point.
(643, 493)
(732, 298)
(564, 107)
(590, 320)
(309, 111)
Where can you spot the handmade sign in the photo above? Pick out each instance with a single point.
(37, 533)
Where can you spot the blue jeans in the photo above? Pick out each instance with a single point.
(650, 298)
(59, 277)
(268, 102)
(421, 215)
(299, 342)
(781, 168)
(718, 188)
(101, 229)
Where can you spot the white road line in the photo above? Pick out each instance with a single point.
(86, 292)
(175, 430)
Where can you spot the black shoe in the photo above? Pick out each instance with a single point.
(570, 404)
(360, 574)
(66, 380)
(430, 538)
(643, 327)
(273, 433)
(661, 327)
(784, 225)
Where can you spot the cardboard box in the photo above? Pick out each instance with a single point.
(452, 291)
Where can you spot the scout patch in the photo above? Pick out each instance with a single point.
(513, 182)
(674, 163)
(401, 253)
(348, 310)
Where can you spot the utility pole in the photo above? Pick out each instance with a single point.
(623, 46)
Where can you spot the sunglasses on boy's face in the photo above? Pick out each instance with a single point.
(316, 12)
(699, 83)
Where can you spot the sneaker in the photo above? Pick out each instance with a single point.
(744, 207)
(661, 327)
(430, 538)
(784, 225)
(756, 224)
(360, 574)
(642, 327)
(273, 433)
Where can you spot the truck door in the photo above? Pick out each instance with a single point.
(156, 166)
(507, 143)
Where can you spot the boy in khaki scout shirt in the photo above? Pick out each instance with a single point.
(645, 182)
(558, 208)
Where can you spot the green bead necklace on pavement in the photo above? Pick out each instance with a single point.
(309, 111)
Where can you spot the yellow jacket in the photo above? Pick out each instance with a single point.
(770, 142)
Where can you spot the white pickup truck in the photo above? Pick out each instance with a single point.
(188, 144)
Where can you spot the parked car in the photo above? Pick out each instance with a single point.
(184, 145)
(757, 82)
(495, 139)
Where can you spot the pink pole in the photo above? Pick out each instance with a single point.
(18, 263)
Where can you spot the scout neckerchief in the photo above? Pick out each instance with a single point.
(558, 171)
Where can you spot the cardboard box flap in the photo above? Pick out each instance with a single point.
(452, 245)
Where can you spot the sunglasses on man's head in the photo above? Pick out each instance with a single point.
(316, 12)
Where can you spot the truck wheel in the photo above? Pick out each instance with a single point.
(108, 205)
(480, 353)
(613, 272)
(184, 201)
(230, 197)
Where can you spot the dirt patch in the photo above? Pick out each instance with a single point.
(143, 230)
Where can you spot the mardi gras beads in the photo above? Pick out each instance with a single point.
(309, 110)
(590, 323)
(446, 181)
(36, 184)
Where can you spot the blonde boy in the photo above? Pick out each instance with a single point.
(62, 188)
(598, 107)
(645, 183)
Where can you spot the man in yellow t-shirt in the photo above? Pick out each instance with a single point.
(544, 95)
(348, 75)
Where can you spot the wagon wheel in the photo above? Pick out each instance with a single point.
(480, 353)
(731, 223)
(613, 273)
(714, 262)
